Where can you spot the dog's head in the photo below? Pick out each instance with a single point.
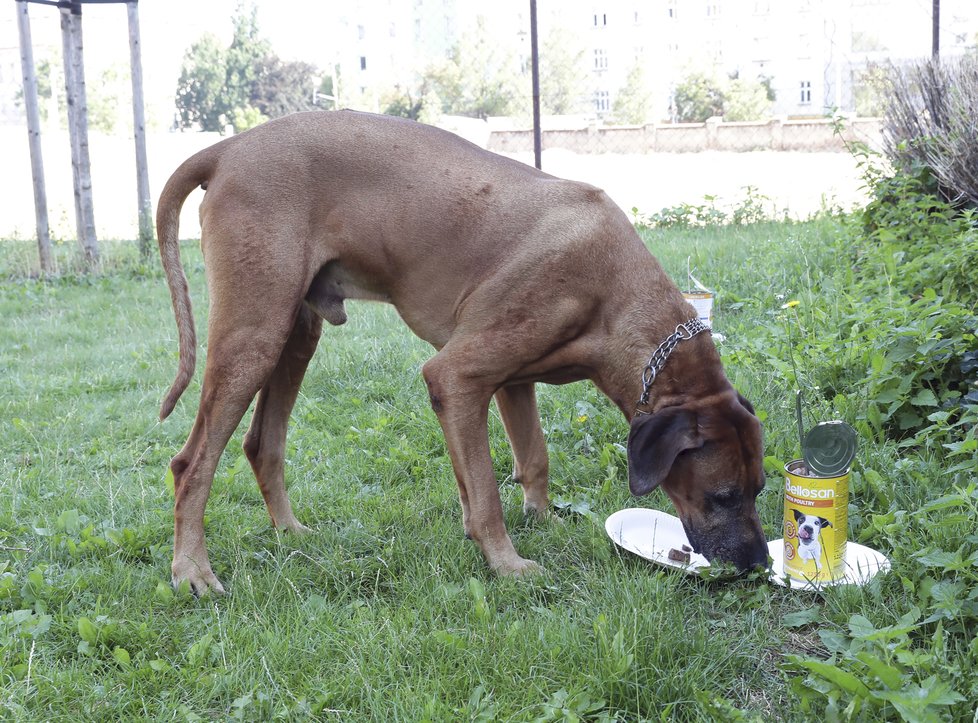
(707, 455)
(809, 526)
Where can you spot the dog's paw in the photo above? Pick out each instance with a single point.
(201, 581)
(520, 567)
(531, 509)
(546, 516)
(295, 527)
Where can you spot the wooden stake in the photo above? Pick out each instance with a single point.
(71, 37)
(34, 137)
(145, 202)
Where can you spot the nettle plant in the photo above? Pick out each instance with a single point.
(914, 270)
(752, 207)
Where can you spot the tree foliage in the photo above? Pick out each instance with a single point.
(479, 79)
(482, 78)
(745, 100)
(201, 99)
(243, 84)
(561, 75)
(633, 103)
(697, 98)
(700, 96)
(284, 86)
(107, 98)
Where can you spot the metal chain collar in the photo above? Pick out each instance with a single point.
(686, 330)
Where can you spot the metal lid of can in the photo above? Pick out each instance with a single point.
(829, 448)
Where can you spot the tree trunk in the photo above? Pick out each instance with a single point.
(34, 138)
(71, 36)
(145, 202)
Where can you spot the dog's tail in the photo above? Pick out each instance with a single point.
(195, 171)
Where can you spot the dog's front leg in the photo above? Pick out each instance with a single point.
(518, 409)
(462, 407)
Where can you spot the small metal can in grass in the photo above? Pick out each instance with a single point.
(699, 297)
(816, 518)
(702, 301)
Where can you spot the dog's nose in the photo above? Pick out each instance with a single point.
(757, 557)
(746, 558)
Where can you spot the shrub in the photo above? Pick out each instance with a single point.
(929, 121)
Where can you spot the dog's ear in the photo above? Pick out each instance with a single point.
(654, 442)
(798, 514)
(745, 404)
(824, 522)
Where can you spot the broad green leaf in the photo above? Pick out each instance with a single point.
(943, 502)
(840, 678)
(122, 657)
(87, 630)
(939, 558)
(860, 627)
(891, 677)
(800, 618)
(915, 702)
(833, 640)
(924, 398)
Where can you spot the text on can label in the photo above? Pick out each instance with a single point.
(826, 494)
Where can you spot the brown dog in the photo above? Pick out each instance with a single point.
(514, 276)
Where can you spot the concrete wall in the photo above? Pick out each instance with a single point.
(816, 134)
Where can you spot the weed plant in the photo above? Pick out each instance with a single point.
(386, 613)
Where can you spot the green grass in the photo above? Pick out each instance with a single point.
(385, 612)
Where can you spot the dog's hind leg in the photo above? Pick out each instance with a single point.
(264, 443)
(518, 408)
(230, 383)
(245, 340)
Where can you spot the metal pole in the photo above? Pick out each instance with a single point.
(935, 33)
(535, 72)
(145, 202)
(34, 137)
(71, 37)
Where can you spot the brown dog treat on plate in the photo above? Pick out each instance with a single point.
(678, 555)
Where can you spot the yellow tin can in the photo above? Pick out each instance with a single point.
(702, 301)
(816, 517)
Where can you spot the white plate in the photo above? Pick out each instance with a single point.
(652, 533)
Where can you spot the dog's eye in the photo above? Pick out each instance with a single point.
(725, 498)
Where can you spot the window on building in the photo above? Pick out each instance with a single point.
(806, 92)
(361, 32)
(673, 10)
(602, 101)
(363, 62)
(600, 20)
(600, 59)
